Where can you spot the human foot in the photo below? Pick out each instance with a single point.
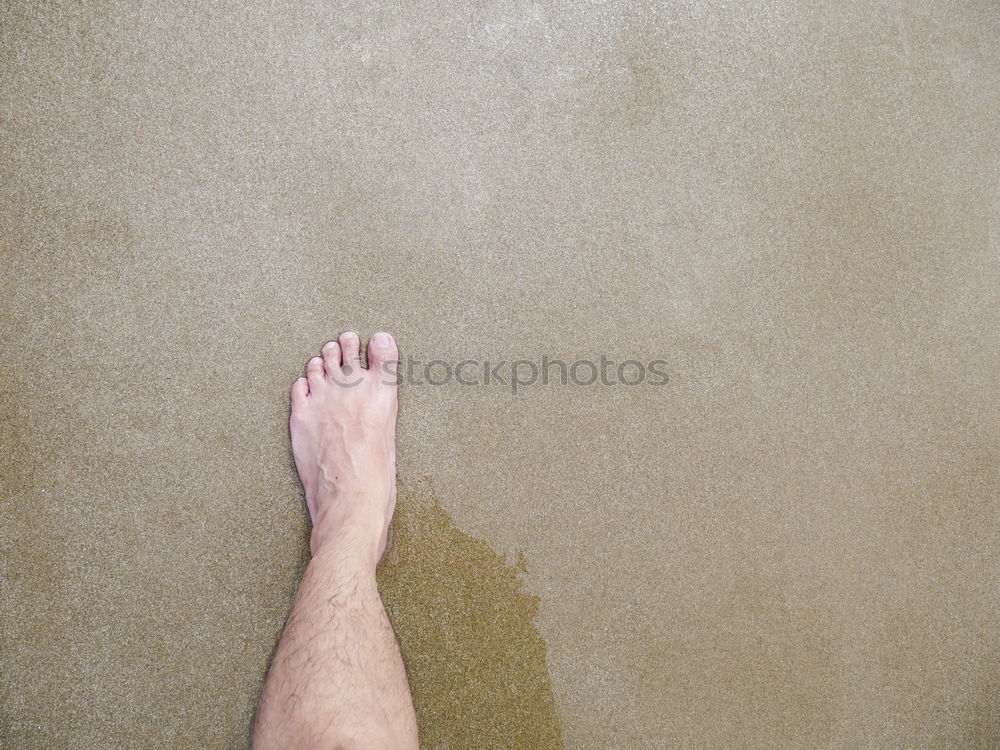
(343, 428)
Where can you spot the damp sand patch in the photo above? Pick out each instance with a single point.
(475, 660)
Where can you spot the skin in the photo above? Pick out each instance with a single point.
(337, 679)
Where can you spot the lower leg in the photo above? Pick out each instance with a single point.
(337, 679)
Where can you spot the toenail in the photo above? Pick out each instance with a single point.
(380, 339)
(328, 345)
(350, 335)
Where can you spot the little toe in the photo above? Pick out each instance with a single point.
(300, 391)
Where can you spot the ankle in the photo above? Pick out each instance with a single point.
(347, 555)
(354, 544)
(348, 501)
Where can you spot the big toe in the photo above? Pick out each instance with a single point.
(383, 354)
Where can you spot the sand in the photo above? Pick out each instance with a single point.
(793, 543)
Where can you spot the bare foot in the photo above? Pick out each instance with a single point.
(343, 428)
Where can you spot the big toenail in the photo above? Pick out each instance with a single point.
(380, 339)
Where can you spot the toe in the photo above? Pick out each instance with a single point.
(300, 390)
(350, 346)
(331, 358)
(382, 353)
(315, 373)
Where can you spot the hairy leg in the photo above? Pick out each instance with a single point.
(337, 678)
